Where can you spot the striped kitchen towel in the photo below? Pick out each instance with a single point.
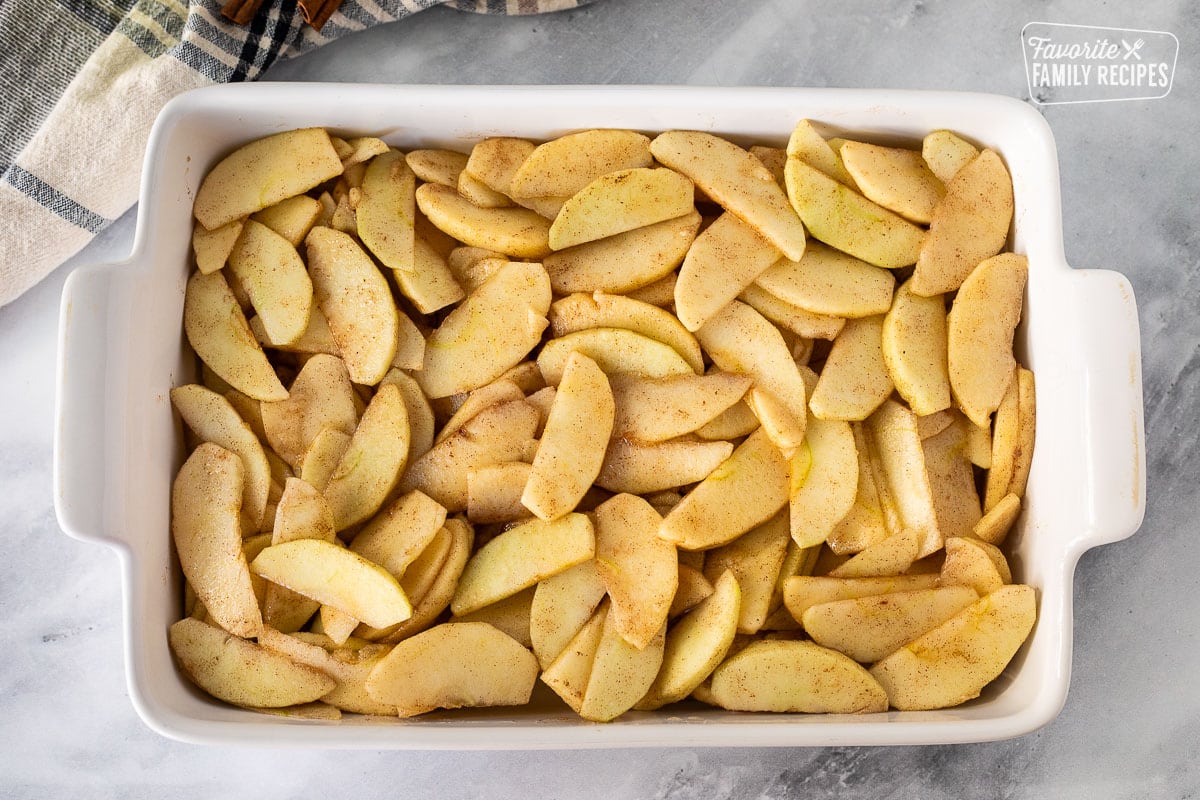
(81, 82)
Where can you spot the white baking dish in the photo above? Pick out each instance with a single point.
(121, 349)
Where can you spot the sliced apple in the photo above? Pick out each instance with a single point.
(522, 556)
(431, 285)
(693, 589)
(564, 166)
(498, 434)
(321, 397)
(755, 559)
(275, 278)
(621, 201)
(316, 338)
(976, 564)
(292, 218)
(468, 349)
(356, 301)
(241, 672)
(442, 668)
(654, 410)
(495, 161)
(993, 526)
(510, 615)
(823, 479)
(733, 423)
(480, 193)
(263, 172)
(855, 379)
(831, 283)
(646, 468)
(437, 166)
(869, 628)
(337, 577)
(791, 676)
(372, 464)
(217, 330)
(562, 605)
(621, 674)
(400, 532)
(568, 672)
(206, 502)
(746, 490)
(302, 514)
(494, 393)
(726, 258)
(969, 225)
(626, 261)
(952, 481)
(953, 662)
(894, 432)
(615, 350)
(895, 178)
(809, 146)
(578, 312)
(946, 153)
(915, 350)
(420, 414)
(1026, 430)
(805, 591)
(791, 317)
(981, 325)
(737, 180)
(842, 218)
(322, 457)
(516, 232)
(739, 339)
(212, 248)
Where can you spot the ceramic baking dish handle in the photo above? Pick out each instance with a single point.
(1115, 445)
(81, 434)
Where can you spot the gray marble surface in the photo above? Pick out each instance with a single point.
(1131, 187)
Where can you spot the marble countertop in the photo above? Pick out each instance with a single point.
(1131, 186)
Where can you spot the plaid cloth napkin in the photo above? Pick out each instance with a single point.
(81, 82)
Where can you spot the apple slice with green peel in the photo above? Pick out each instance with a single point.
(567, 674)
(337, 577)
(640, 571)
(739, 339)
(855, 379)
(726, 258)
(615, 350)
(564, 166)
(746, 490)
(796, 676)
(372, 464)
(824, 481)
(572, 446)
(621, 201)
(946, 153)
(953, 662)
(869, 628)
(397, 534)
(321, 397)
(621, 674)
(649, 410)
(895, 178)
(356, 301)
(805, 591)
(213, 419)
(737, 181)
(515, 232)
(263, 172)
(646, 468)
(498, 434)
(755, 559)
(212, 248)
(241, 672)
(624, 262)
(469, 350)
(218, 332)
(292, 218)
(522, 556)
(206, 503)
(443, 668)
(562, 605)
(696, 645)
(842, 218)
(275, 278)
(581, 311)
(981, 325)
(809, 146)
(830, 283)
(915, 350)
(970, 225)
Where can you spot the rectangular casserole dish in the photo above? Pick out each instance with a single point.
(121, 350)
